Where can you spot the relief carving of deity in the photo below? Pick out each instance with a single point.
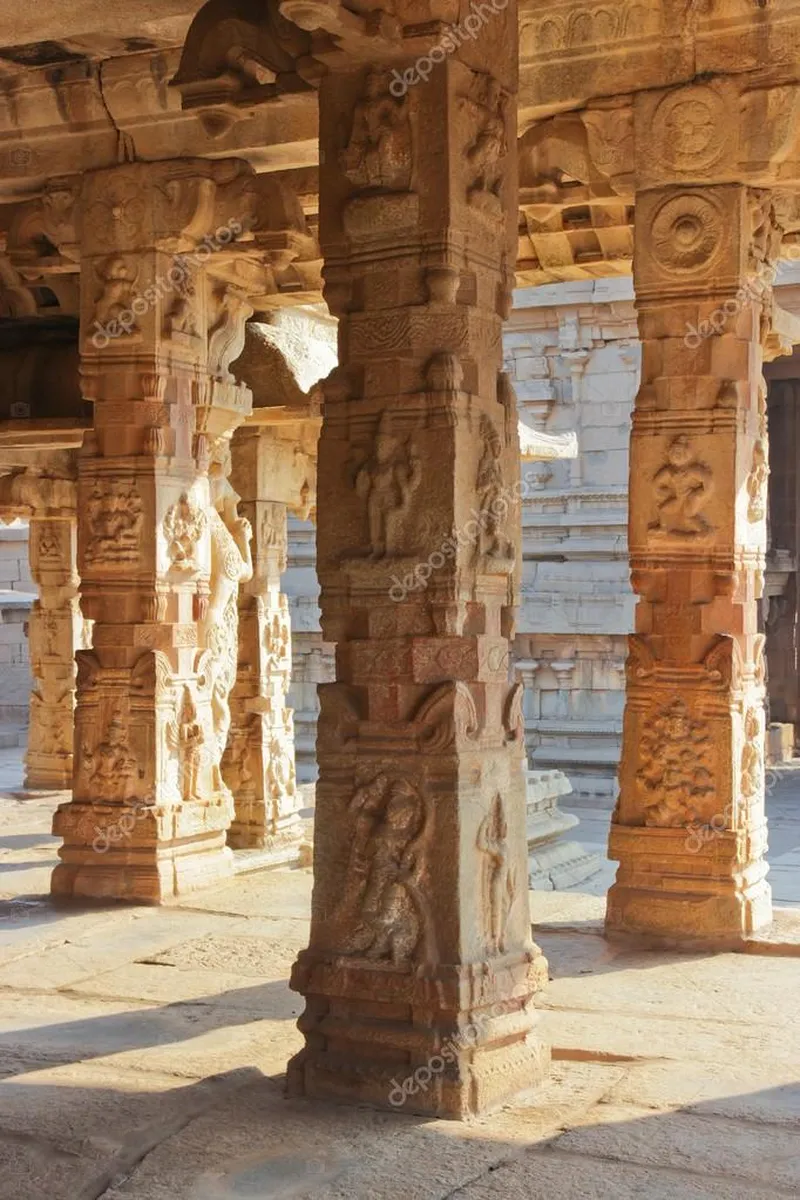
(493, 502)
(231, 564)
(752, 755)
(757, 484)
(388, 480)
(119, 281)
(499, 877)
(486, 155)
(682, 487)
(185, 735)
(112, 767)
(114, 518)
(184, 525)
(384, 914)
(676, 777)
(378, 155)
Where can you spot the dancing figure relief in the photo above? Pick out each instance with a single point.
(682, 487)
(677, 775)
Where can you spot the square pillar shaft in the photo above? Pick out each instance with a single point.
(420, 961)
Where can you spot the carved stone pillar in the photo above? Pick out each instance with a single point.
(44, 493)
(420, 953)
(259, 765)
(56, 630)
(689, 828)
(162, 550)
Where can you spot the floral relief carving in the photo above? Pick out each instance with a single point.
(682, 489)
(686, 232)
(678, 767)
(689, 128)
(384, 914)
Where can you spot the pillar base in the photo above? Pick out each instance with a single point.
(686, 885)
(453, 1044)
(251, 830)
(110, 851)
(49, 779)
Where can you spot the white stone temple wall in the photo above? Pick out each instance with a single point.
(573, 354)
(17, 594)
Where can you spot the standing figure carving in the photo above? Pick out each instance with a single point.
(378, 154)
(388, 480)
(384, 914)
(231, 564)
(499, 876)
(493, 500)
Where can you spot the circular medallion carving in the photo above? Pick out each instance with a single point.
(686, 232)
(689, 128)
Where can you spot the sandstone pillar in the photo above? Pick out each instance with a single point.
(56, 630)
(162, 549)
(259, 766)
(689, 829)
(420, 955)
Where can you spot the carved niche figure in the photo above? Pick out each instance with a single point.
(277, 635)
(682, 488)
(487, 152)
(677, 772)
(499, 890)
(388, 480)
(384, 914)
(493, 502)
(112, 767)
(378, 155)
(757, 484)
(183, 314)
(114, 516)
(119, 280)
(238, 757)
(184, 525)
(231, 564)
(751, 755)
(185, 735)
(280, 775)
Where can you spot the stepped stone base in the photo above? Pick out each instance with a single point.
(552, 863)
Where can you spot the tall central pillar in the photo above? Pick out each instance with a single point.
(420, 974)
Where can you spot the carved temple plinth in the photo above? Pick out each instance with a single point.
(420, 954)
(162, 548)
(689, 830)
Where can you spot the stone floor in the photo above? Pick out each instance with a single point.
(141, 1055)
